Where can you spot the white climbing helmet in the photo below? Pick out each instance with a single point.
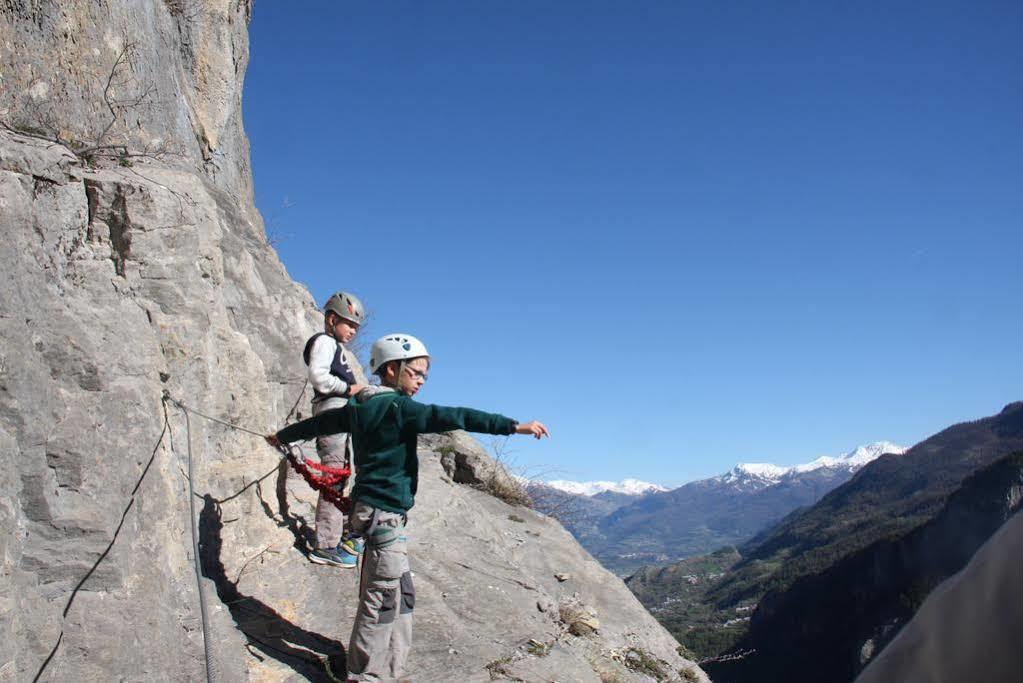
(347, 306)
(395, 347)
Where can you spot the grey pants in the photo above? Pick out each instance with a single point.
(333, 451)
(382, 634)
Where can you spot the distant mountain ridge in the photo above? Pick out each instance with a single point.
(629, 524)
(745, 470)
(892, 495)
(725, 510)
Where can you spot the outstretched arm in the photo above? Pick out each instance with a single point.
(426, 419)
(327, 422)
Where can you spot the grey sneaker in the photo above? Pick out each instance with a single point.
(329, 556)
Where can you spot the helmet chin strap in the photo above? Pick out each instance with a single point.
(397, 383)
(397, 378)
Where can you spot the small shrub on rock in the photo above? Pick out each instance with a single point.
(645, 663)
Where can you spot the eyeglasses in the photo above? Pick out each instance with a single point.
(417, 374)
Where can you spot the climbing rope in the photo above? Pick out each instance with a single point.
(330, 485)
(328, 481)
(212, 672)
(193, 411)
(298, 400)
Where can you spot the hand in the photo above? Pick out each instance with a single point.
(274, 441)
(354, 389)
(537, 429)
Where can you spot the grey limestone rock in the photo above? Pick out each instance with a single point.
(119, 283)
(462, 457)
(152, 76)
(579, 618)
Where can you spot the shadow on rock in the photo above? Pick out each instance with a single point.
(269, 634)
(305, 537)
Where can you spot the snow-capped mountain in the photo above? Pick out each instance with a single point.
(629, 523)
(581, 505)
(758, 474)
(629, 487)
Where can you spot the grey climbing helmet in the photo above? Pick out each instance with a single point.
(395, 347)
(347, 306)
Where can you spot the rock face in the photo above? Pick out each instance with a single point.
(154, 76)
(969, 626)
(146, 272)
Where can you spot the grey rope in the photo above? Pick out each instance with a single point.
(103, 555)
(212, 672)
(239, 428)
(187, 409)
(297, 400)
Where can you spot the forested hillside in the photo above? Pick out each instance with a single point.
(882, 502)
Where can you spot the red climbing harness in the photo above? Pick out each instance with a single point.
(330, 483)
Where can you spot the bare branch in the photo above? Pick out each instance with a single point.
(120, 76)
(258, 556)
(121, 58)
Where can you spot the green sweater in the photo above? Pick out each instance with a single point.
(384, 429)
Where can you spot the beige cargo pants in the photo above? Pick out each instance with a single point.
(333, 452)
(382, 634)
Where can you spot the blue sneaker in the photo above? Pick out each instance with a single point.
(352, 546)
(348, 561)
(330, 556)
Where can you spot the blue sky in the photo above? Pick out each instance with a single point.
(683, 234)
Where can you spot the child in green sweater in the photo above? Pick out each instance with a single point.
(384, 422)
